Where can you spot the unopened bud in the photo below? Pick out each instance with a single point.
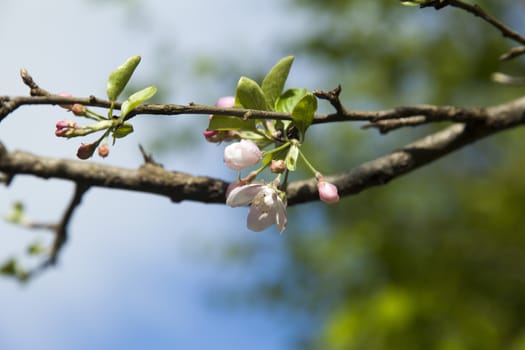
(103, 150)
(327, 191)
(225, 102)
(65, 94)
(78, 110)
(240, 155)
(209, 135)
(277, 166)
(85, 151)
(65, 128)
(218, 136)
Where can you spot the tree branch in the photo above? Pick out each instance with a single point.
(149, 178)
(152, 178)
(432, 113)
(61, 232)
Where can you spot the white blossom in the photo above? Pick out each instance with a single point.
(240, 155)
(267, 206)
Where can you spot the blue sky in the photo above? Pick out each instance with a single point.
(138, 271)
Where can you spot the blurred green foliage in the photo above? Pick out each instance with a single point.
(436, 259)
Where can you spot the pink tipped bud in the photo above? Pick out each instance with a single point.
(65, 128)
(78, 110)
(65, 94)
(103, 150)
(85, 151)
(209, 135)
(218, 136)
(327, 192)
(277, 166)
(225, 102)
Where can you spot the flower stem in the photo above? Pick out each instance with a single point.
(276, 149)
(309, 165)
(284, 185)
(94, 115)
(110, 112)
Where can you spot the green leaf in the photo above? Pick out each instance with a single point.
(304, 111)
(36, 248)
(291, 157)
(250, 95)
(10, 267)
(136, 99)
(118, 79)
(16, 214)
(273, 84)
(123, 131)
(287, 101)
(224, 122)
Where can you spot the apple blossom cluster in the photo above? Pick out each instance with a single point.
(270, 144)
(114, 126)
(266, 143)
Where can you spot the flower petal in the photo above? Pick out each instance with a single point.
(280, 215)
(243, 195)
(258, 221)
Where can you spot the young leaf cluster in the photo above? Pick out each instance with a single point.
(114, 126)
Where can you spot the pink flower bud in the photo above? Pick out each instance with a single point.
(277, 166)
(225, 102)
(224, 135)
(218, 136)
(85, 151)
(103, 150)
(210, 135)
(78, 110)
(327, 192)
(65, 128)
(240, 155)
(65, 94)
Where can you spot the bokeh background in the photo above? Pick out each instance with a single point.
(434, 260)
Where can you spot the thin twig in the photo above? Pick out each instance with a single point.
(514, 52)
(477, 11)
(61, 234)
(333, 97)
(385, 126)
(148, 157)
(433, 113)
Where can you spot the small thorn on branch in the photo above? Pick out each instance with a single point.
(148, 158)
(34, 89)
(332, 96)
